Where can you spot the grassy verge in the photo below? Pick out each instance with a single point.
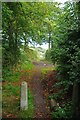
(30, 112)
(44, 71)
(11, 103)
(11, 91)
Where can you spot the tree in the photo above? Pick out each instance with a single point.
(23, 23)
(66, 52)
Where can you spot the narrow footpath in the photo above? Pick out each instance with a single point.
(41, 108)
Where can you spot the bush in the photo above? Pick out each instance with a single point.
(48, 55)
(67, 56)
(63, 112)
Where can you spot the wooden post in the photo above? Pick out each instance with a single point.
(24, 96)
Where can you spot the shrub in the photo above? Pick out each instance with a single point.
(48, 55)
(67, 56)
(63, 112)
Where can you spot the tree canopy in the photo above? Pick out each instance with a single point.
(26, 22)
(48, 22)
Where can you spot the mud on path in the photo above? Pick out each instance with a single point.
(41, 108)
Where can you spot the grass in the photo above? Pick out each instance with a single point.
(12, 77)
(26, 65)
(45, 70)
(11, 92)
(30, 112)
(11, 103)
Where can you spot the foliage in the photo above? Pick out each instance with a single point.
(68, 58)
(48, 55)
(66, 51)
(12, 77)
(63, 112)
(27, 22)
(11, 102)
(22, 25)
(11, 92)
(44, 71)
(25, 59)
(31, 54)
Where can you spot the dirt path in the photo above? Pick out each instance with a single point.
(41, 108)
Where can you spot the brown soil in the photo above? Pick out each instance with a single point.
(39, 88)
(41, 106)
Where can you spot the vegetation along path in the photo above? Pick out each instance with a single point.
(41, 108)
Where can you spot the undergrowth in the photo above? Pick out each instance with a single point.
(12, 78)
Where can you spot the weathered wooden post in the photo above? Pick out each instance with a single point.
(24, 96)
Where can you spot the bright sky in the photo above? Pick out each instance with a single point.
(45, 46)
(60, 1)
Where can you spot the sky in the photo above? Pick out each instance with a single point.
(45, 46)
(61, 1)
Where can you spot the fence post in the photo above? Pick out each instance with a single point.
(24, 96)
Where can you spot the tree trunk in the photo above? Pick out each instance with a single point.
(10, 33)
(49, 40)
(25, 44)
(16, 42)
(76, 100)
(51, 44)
